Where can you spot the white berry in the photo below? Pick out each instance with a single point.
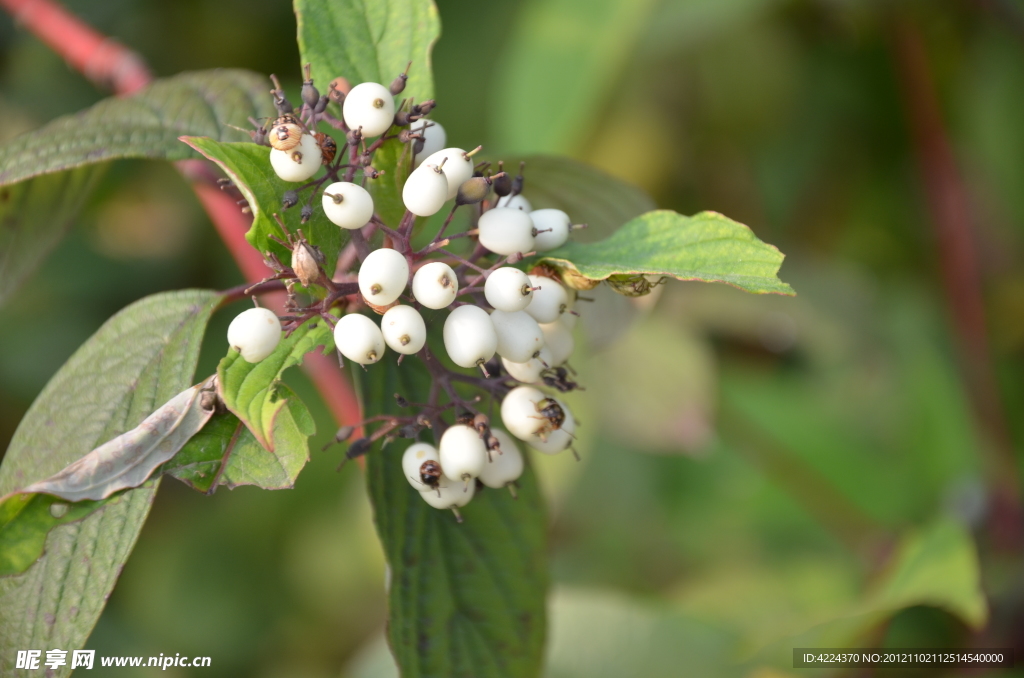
(425, 190)
(369, 105)
(508, 289)
(255, 333)
(434, 285)
(463, 452)
(299, 163)
(516, 202)
(552, 228)
(529, 371)
(550, 301)
(458, 167)
(434, 138)
(519, 411)
(347, 205)
(505, 230)
(403, 329)
(559, 341)
(359, 339)
(383, 276)
(519, 336)
(469, 336)
(412, 460)
(448, 494)
(503, 468)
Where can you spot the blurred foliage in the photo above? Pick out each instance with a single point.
(754, 469)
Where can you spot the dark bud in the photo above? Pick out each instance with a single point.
(366, 159)
(372, 172)
(425, 107)
(358, 448)
(321, 105)
(473, 191)
(259, 136)
(290, 199)
(403, 118)
(418, 146)
(407, 135)
(306, 213)
(409, 431)
(402, 402)
(354, 136)
(502, 182)
(517, 183)
(398, 84)
(310, 94)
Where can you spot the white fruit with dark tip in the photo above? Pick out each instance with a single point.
(347, 205)
(508, 289)
(549, 302)
(503, 468)
(413, 458)
(469, 336)
(529, 371)
(371, 106)
(559, 439)
(458, 167)
(516, 202)
(434, 138)
(449, 494)
(359, 339)
(299, 163)
(403, 329)
(463, 452)
(383, 276)
(559, 341)
(434, 285)
(552, 228)
(519, 336)
(519, 411)
(425, 190)
(506, 231)
(521, 415)
(255, 333)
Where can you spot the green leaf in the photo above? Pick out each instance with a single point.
(464, 599)
(26, 519)
(588, 195)
(563, 60)
(34, 215)
(373, 41)
(144, 125)
(938, 566)
(277, 421)
(707, 247)
(369, 41)
(139, 359)
(226, 438)
(248, 165)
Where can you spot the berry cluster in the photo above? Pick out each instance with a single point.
(513, 325)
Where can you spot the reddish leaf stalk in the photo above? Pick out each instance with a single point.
(953, 227)
(113, 66)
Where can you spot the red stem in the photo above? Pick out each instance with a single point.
(102, 60)
(954, 230)
(113, 66)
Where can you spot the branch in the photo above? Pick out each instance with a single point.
(100, 59)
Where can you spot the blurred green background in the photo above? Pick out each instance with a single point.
(836, 469)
